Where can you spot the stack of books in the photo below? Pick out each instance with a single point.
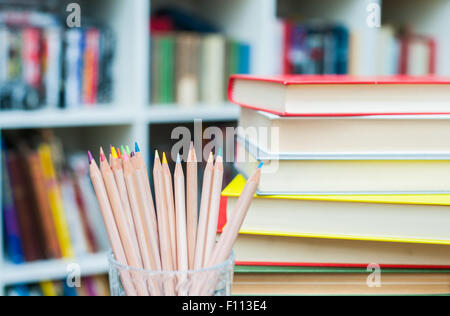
(353, 197)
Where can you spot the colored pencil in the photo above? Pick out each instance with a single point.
(231, 231)
(121, 220)
(172, 237)
(192, 204)
(203, 216)
(180, 209)
(139, 163)
(163, 221)
(168, 191)
(117, 169)
(147, 212)
(214, 204)
(110, 224)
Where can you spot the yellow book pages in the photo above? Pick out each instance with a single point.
(48, 288)
(56, 203)
(235, 188)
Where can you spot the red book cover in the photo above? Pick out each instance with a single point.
(91, 67)
(31, 43)
(292, 80)
(287, 65)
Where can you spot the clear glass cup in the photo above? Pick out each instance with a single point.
(129, 281)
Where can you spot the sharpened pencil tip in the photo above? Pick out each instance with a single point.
(164, 160)
(128, 150)
(156, 154)
(178, 158)
(211, 157)
(125, 156)
(102, 155)
(191, 146)
(260, 165)
(136, 147)
(90, 157)
(119, 154)
(132, 154)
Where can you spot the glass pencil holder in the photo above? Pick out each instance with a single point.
(129, 281)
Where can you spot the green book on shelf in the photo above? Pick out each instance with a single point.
(166, 52)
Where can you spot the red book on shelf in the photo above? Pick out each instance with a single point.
(341, 95)
(32, 50)
(287, 65)
(91, 67)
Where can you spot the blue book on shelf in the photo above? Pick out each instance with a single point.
(69, 291)
(13, 242)
(19, 290)
(244, 59)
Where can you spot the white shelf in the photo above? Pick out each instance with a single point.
(99, 116)
(170, 113)
(52, 269)
(114, 115)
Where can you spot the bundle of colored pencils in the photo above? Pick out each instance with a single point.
(177, 235)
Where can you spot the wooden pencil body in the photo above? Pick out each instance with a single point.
(111, 228)
(191, 206)
(168, 191)
(213, 216)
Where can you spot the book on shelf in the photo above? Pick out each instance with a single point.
(48, 215)
(315, 48)
(190, 68)
(345, 136)
(191, 61)
(404, 51)
(90, 286)
(45, 64)
(335, 95)
(399, 218)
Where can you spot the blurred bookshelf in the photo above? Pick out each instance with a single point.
(131, 112)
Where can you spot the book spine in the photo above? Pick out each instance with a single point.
(244, 58)
(32, 56)
(91, 67)
(55, 200)
(167, 69)
(73, 61)
(53, 71)
(76, 230)
(287, 65)
(29, 231)
(43, 207)
(4, 54)
(12, 233)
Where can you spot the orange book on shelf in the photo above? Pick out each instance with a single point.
(43, 206)
(55, 201)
